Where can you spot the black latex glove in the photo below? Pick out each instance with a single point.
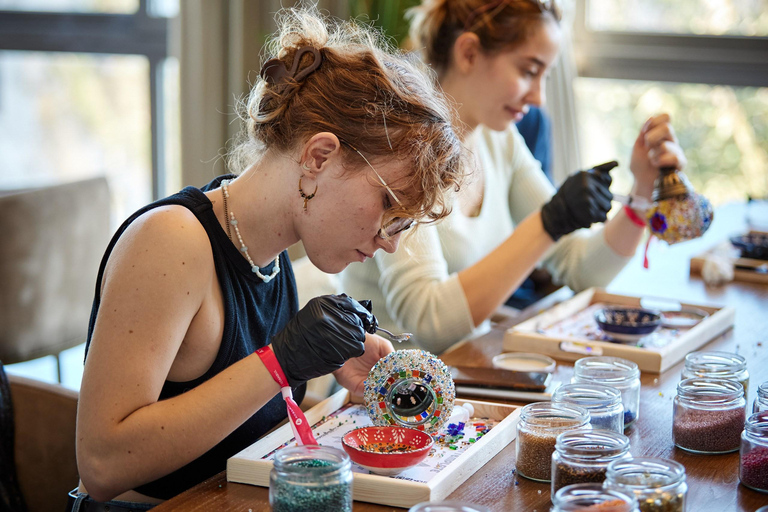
(321, 337)
(583, 199)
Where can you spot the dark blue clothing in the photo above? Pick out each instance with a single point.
(254, 311)
(536, 129)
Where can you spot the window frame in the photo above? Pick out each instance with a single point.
(96, 33)
(705, 59)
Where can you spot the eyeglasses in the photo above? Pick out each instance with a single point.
(396, 225)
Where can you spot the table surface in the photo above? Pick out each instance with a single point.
(712, 479)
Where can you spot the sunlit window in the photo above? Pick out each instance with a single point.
(68, 116)
(101, 6)
(724, 130)
(707, 17)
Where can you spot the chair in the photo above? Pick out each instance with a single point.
(43, 417)
(53, 240)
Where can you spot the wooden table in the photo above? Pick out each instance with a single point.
(713, 480)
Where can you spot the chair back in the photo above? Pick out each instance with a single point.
(53, 241)
(44, 416)
(11, 499)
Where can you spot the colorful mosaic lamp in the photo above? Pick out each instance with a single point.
(411, 388)
(678, 213)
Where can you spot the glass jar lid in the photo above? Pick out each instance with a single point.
(715, 364)
(554, 416)
(314, 460)
(645, 474)
(606, 370)
(592, 496)
(756, 426)
(593, 445)
(762, 392)
(710, 393)
(588, 395)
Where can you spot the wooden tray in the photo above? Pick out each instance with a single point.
(745, 269)
(250, 466)
(531, 335)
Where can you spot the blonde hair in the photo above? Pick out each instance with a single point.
(436, 24)
(381, 102)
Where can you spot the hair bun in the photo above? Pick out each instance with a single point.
(275, 71)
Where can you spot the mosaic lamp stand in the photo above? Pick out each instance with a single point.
(678, 213)
(410, 388)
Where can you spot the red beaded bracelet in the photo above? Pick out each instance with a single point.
(634, 217)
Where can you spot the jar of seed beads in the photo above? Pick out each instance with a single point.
(658, 484)
(582, 456)
(617, 373)
(708, 415)
(717, 365)
(602, 402)
(753, 467)
(592, 498)
(761, 400)
(540, 424)
(309, 478)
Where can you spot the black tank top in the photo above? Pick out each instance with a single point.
(254, 311)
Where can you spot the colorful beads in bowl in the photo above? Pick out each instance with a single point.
(387, 450)
(621, 323)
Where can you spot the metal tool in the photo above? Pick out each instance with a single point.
(395, 337)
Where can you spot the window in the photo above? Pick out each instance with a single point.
(89, 89)
(706, 63)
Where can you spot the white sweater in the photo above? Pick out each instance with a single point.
(417, 289)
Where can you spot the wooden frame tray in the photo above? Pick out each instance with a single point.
(747, 270)
(530, 336)
(250, 466)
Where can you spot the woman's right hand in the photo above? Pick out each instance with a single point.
(583, 199)
(321, 337)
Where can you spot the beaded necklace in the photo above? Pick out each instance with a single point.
(231, 220)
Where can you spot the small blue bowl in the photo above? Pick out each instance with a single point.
(626, 323)
(752, 245)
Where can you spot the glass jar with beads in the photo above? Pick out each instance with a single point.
(753, 460)
(592, 497)
(658, 484)
(617, 373)
(717, 365)
(761, 400)
(582, 456)
(602, 402)
(310, 478)
(708, 415)
(537, 430)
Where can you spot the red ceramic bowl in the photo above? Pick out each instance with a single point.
(387, 450)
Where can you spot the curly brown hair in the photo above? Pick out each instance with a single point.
(500, 25)
(383, 102)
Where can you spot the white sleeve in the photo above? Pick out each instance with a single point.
(421, 295)
(579, 260)
(583, 259)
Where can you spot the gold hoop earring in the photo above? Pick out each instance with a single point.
(305, 166)
(306, 197)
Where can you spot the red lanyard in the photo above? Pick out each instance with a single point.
(299, 424)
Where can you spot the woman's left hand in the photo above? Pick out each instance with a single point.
(354, 372)
(655, 147)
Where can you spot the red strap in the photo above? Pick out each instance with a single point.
(634, 217)
(299, 422)
(270, 361)
(645, 253)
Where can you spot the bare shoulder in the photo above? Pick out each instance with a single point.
(168, 239)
